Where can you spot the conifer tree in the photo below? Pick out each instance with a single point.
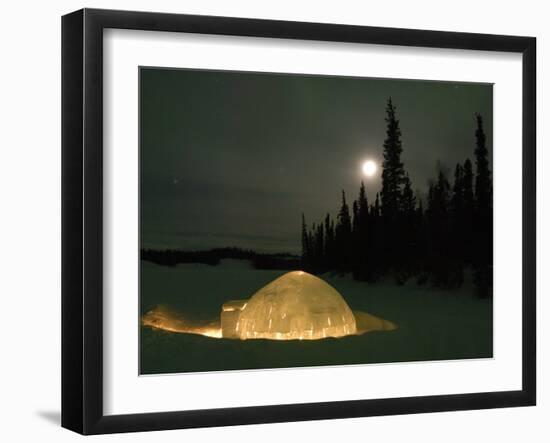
(312, 247)
(468, 210)
(483, 188)
(355, 223)
(408, 199)
(329, 242)
(457, 199)
(319, 248)
(361, 244)
(392, 173)
(457, 227)
(363, 207)
(468, 185)
(483, 219)
(407, 231)
(355, 253)
(393, 176)
(343, 235)
(376, 208)
(438, 229)
(402, 233)
(305, 244)
(375, 241)
(421, 247)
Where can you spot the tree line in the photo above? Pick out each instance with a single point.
(173, 257)
(400, 235)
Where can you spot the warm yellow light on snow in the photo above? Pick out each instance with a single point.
(295, 306)
(168, 320)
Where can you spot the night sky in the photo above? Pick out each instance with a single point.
(233, 159)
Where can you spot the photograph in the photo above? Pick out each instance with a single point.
(294, 220)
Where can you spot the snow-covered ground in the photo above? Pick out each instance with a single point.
(432, 324)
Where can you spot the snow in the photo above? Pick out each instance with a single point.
(432, 324)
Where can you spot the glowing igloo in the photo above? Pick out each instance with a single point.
(296, 305)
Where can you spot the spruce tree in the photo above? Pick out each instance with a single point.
(361, 244)
(420, 210)
(375, 241)
(468, 211)
(438, 231)
(392, 173)
(355, 253)
(329, 243)
(408, 199)
(468, 185)
(305, 244)
(363, 207)
(407, 232)
(312, 247)
(483, 188)
(393, 176)
(319, 248)
(343, 235)
(457, 227)
(333, 240)
(376, 208)
(355, 223)
(421, 242)
(457, 199)
(483, 219)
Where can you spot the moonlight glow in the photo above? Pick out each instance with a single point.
(369, 168)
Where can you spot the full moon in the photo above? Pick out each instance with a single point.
(369, 168)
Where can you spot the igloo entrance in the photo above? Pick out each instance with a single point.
(296, 305)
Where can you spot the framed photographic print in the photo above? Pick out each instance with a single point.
(270, 221)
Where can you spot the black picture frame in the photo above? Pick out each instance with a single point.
(82, 220)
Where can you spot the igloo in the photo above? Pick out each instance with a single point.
(296, 305)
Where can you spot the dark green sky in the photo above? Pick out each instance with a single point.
(233, 159)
